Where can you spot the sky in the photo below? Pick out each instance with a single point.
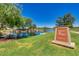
(46, 14)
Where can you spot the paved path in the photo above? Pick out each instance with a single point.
(75, 32)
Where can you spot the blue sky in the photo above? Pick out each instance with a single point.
(45, 14)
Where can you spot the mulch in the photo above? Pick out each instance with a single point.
(5, 40)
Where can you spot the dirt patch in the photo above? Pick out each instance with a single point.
(2, 49)
(5, 40)
(28, 45)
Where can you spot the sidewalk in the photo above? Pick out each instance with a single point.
(75, 32)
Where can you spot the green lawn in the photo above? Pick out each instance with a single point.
(75, 29)
(39, 45)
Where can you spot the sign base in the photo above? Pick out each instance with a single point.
(69, 45)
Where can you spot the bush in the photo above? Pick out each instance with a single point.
(0, 34)
(32, 33)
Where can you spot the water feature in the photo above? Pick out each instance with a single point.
(25, 34)
(38, 33)
(19, 35)
(22, 34)
(50, 30)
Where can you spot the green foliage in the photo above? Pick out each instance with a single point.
(9, 13)
(10, 16)
(23, 22)
(45, 29)
(32, 29)
(67, 20)
(26, 22)
(33, 26)
(0, 34)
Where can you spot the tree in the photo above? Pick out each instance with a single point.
(67, 20)
(24, 22)
(28, 22)
(59, 22)
(32, 29)
(9, 13)
(45, 29)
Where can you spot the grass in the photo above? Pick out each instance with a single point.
(39, 45)
(75, 29)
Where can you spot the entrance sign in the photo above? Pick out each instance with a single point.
(62, 37)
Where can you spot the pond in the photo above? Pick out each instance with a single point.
(24, 34)
(50, 30)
